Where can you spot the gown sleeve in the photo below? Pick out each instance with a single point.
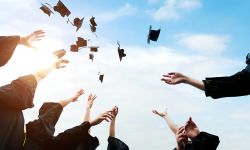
(19, 94)
(7, 48)
(116, 144)
(205, 141)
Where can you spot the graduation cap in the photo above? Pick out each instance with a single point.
(59, 53)
(101, 76)
(74, 48)
(93, 24)
(81, 42)
(120, 52)
(94, 49)
(78, 23)
(62, 9)
(46, 10)
(153, 34)
(91, 56)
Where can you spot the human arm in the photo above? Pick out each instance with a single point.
(90, 101)
(181, 139)
(71, 99)
(112, 123)
(173, 126)
(173, 78)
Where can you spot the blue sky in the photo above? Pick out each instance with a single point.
(199, 38)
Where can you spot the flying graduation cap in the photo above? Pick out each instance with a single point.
(81, 42)
(59, 53)
(93, 24)
(101, 76)
(46, 9)
(93, 48)
(91, 56)
(62, 9)
(153, 34)
(78, 23)
(120, 52)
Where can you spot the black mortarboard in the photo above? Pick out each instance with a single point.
(153, 34)
(46, 9)
(62, 9)
(93, 24)
(59, 53)
(78, 23)
(74, 48)
(101, 76)
(120, 52)
(92, 21)
(94, 49)
(91, 56)
(81, 42)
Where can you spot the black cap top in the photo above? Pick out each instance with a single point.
(74, 48)
(101, 76)
(120, 52)
(153, 34)
(46, 9)
(78, 23)
(94, 48)
(62, 9)
(81, 42)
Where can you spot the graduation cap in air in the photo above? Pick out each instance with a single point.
(91, 56)
(94, 48)
(101, 76)
(93, 24)
(153, 34)
(78, 23)
(120, 52)
(46, 9)
(74, 48)
(81, 42)
(62, 9)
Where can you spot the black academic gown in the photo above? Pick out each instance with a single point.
(116, 144)
(15, 97)
(204, 141)
(231, 86)
(40, 132)
(7, 48)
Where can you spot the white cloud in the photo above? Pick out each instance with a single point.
(125, 10)
(205, 43)
(174, 9)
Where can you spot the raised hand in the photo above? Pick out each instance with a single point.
(161, 114)
(174, 78)
(91, 99)
(103, 116)
(181, 138)
(191, 129)
(61, 63)
(77, 95)
(114, 111)
(29, 39)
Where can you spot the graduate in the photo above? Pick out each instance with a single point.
(113, 142)
(216, 87)
(188, 136)
(8, 44)
(15, 97)
(40, 132)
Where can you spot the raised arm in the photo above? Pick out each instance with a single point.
(90, 101)
(28, 40)
(173, 78)
(19, 93)
(174, 127)
(112, 123)
(71, 99)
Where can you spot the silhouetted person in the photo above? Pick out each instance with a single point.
(8, 44)
(189, 137)
(15, 97)
(40, 133)
(113, 142)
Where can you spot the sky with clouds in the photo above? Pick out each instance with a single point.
(199, 38)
